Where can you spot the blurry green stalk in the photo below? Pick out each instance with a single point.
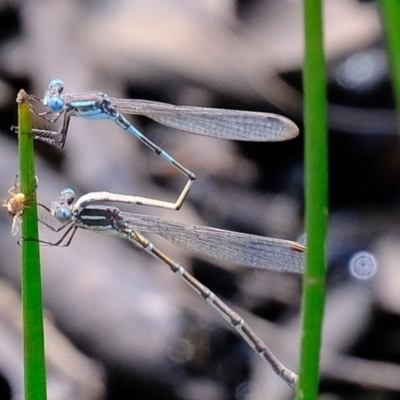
(390, 12)
(316, 189)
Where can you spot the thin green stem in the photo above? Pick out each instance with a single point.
(34, 354)
(316, 187)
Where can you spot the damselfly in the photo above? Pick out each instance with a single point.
(219, 123)
(238, 248)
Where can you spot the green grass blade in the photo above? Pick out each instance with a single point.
(34, 354)
(390, 11)
(316, 188)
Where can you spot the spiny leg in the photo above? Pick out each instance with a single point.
(71, 230)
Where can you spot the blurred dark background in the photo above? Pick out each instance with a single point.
(119, 325)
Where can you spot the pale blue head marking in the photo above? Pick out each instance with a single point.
(67, 196)
(55, 82)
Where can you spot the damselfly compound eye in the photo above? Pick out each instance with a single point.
(63, 214)
(56, 104)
